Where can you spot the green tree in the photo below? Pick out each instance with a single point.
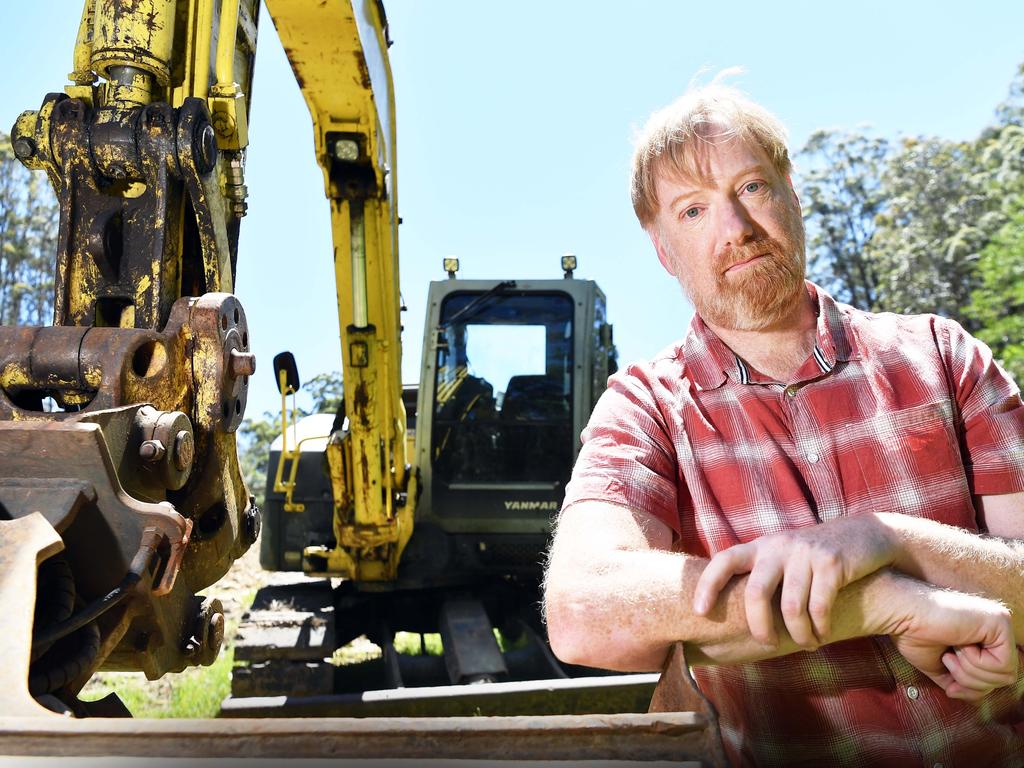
(998, 306)
(326, 391)
(1011, 111)
(29, 218)
(938, 216)
(840, 187)
(254, 437)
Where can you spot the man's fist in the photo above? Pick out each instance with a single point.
(964, 643)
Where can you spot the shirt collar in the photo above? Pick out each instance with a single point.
(709, 362)
(835, 337)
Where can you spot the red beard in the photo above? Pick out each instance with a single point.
(761, 293)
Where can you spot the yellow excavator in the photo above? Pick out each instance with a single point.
(120, 491)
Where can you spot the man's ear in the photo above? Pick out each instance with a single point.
(666, 262)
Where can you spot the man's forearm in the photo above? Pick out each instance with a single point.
(624, 623)
(957, 559)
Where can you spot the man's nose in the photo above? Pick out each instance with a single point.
(736, 225)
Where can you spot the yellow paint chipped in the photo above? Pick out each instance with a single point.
(93, 375)
(14, 375)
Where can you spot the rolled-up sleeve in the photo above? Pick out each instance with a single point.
(627, 456)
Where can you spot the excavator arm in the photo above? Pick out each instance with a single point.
(338, 52)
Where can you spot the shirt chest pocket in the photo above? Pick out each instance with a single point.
(906, 461)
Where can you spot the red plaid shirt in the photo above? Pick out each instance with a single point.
(890, 413)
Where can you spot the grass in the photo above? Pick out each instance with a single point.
(195, 693)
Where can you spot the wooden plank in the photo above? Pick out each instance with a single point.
(672, 736)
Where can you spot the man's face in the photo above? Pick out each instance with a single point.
(734, 238)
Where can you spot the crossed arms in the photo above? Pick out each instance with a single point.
(617, 595)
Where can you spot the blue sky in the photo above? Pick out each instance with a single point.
(515, 122)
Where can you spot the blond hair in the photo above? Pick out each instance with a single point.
(675, 139)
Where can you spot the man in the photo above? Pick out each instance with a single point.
(824, 505)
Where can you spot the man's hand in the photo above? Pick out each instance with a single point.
(964, 643)
(812, 564)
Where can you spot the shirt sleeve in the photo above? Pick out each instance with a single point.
(627, 456)
(991, 414)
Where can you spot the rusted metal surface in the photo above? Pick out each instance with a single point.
(123, 178)
(678, 692)
(24, 543)
(676, 736)
(116, 423)
(35, 456)
(108, 468)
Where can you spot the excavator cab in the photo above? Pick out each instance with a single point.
(510, 377)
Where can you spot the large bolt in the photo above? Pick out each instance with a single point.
(184, 450)
(24, 148)
(206, 149)
(252, 522)
(223, 124)
(152, 450)
(214, 639)
(204, 641)
(242, 364)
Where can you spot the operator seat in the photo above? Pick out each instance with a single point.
(537, 421)
(465, 442)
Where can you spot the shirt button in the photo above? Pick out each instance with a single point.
(791, 390)
(912, 692)
(813, 458)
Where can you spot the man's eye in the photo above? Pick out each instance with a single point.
(691, 213)
(752, 187)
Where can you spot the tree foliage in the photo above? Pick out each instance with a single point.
(841, 191)
(998, 305)
(29, 218)
(325, 389)
(1011, 111)
(253, 440)
(931, 225)
(937, 217)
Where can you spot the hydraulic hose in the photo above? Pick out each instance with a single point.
(87, 615)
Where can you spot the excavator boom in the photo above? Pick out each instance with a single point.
(338, 52)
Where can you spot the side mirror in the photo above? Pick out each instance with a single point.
(285, 363)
